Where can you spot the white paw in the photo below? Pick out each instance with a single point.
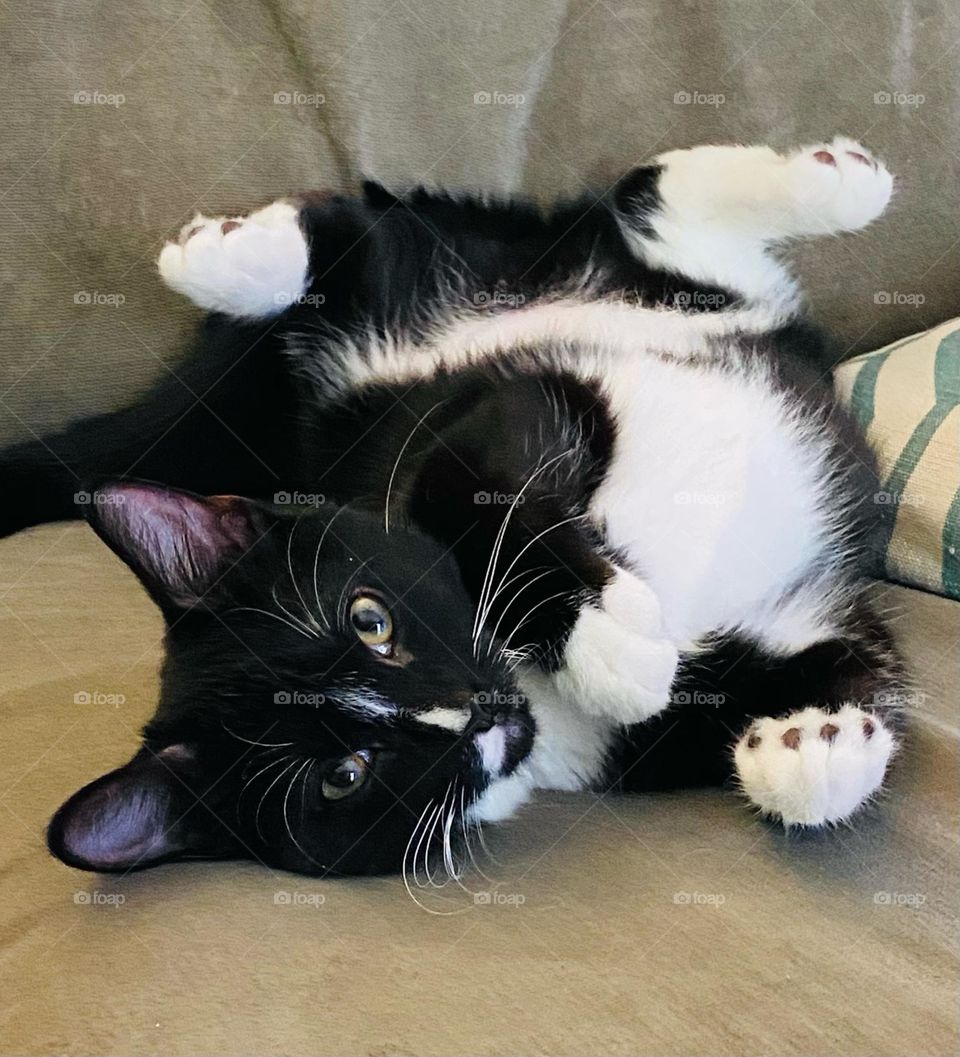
(249, 267)
(837, 186)
(617, 662)
(814, 767)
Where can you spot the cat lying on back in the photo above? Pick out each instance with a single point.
(459, 499)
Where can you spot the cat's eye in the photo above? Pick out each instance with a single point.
(373, 624)
(347, 777)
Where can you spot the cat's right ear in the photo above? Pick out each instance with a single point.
(179, 544)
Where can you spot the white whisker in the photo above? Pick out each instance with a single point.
(256, 818)
(311, 621)
(532, 609)
(316, 559)
(286, 798)
(506, 608)
(273, 616)
(396, 465)
(522, 551)
(250, 781)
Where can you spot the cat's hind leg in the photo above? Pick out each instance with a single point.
(807, 738)
(713, 212)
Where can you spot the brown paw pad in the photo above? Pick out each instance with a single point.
(829, 731)
(192, 231)
(869, 728)
(753, 740)
(791, 738)
(229, 225)
(862, 158)
(825, 157)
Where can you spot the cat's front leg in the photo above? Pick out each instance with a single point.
(617, 662)
(246, 267)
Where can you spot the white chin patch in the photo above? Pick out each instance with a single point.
(492, 745)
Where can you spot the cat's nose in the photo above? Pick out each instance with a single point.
(484, 713)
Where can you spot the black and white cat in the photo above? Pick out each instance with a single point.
(559, 500)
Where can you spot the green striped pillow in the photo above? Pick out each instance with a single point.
(907, 398)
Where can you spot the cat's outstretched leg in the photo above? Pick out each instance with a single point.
(713, 212)
(807, 738)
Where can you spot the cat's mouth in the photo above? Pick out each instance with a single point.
(505, 744)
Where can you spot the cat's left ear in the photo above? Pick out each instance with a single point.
(143, 813)
(179, 544)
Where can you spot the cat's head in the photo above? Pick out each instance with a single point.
(323, 690)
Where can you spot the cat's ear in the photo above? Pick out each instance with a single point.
(141, 814)
(179, 544)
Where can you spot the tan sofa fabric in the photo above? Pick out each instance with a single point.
(579, 91)
(674, 924)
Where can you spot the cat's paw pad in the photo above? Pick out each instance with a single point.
(840, 186)
(814, 767)
(617, 662)
(249, 267)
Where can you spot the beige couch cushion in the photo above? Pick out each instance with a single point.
(672, 924)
